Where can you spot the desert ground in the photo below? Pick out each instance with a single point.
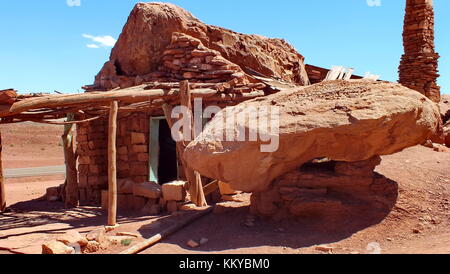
(418, 223)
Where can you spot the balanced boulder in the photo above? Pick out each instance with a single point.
(345, 121)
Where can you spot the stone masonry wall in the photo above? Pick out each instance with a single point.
(132, 154)
(419, 65)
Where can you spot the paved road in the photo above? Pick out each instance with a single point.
(34, 171)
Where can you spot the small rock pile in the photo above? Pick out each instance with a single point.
(149, 198)
(73, 242)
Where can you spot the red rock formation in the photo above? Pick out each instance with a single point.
(327, 189)
(146, 37)
(342, 120)
(419, 65)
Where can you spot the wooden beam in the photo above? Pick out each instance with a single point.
(129, 95)
(112, 165)
(2, 183)
(71, 186)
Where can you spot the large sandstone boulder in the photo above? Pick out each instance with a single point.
(345, 121)
(148, 33)
(444, 106)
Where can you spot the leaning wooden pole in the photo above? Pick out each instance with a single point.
(71, 198)
(2, 183)
(112, 165)
(195, 186)
(167, 232)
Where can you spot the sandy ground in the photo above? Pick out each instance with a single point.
(31, 145)
(419, 223)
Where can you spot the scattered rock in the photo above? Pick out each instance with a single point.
(98, 235)
(174, 191)
(188, 207)
(149, 190)
(109, 228)
(324, 248)
(92, 247)
(72, 238)
(56, 247)
(192, 244)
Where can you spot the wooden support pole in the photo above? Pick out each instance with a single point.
(195, 186)
(112, 165)
(2, 183)
(71, 187)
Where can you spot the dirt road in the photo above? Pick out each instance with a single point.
(34, 171)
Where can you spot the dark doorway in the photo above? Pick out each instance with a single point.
(167, 167)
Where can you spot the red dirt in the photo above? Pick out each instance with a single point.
(31, 145)
(419, 223)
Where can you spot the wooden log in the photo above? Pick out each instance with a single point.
(112, 165)
(71, 185)
(2, 183)
(167, 232)
(50, 122)
(129, 95)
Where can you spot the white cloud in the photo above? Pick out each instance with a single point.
(374, 3)
(73, 3)
(101, 41)
(92, 46)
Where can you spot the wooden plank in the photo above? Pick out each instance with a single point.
(112, 165)
(2, 183)
(71, 187)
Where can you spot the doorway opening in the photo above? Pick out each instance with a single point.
(163, 153)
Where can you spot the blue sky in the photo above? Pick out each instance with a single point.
(48, 45)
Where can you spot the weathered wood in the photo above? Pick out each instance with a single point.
(112, 165)
(167, 232)
(51, 122)
(195, 186)
(71, 187)
(2, 183)
(129, 95)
